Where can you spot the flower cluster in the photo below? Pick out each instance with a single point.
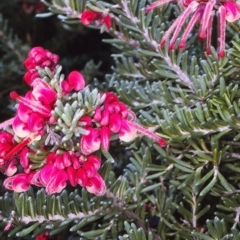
(202, 11)
(38, 57)
(58, 169)
(59, 127)
(87, 17)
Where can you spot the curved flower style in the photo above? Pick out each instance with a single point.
(203, 12)
(33, 110)
(58, 127)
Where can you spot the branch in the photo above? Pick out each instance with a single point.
(183, 76)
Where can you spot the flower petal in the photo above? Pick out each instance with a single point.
(17, 183)
(105, 134)
(82, 178)
(57, 183)
(76, 80)
(20, 128)
(89, 168)
(96, 185)
(115, 122)
(232, 11)
(46, 173)
(95, 161)
(127, 133)
(91, 142)
(72, 176)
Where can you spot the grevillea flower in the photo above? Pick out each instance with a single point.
(6, 143)
(113, 117)
(107, 21)
(202, 11)
(40, 57)
(72, 167)
(34, 109)
(87, 17)
(36, 152)
(75, 81)
(19, 182)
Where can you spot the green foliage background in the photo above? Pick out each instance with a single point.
(188, 190)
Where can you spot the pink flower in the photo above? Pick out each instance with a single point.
(24, 160)
(46, 174)
(42, 92)
(72, 176)
(34, 109)
(32, 104)
(52, 178)
(76, 80)
(40, 57)
(115, 122)
(67, 159)
(30, 76)
(203, 12)
(86, 120)
(232, 11)
(127, 133)
(91, 142)
(89, 168)
(45, 236)
(57, 182)
(88, 16)
(20, 128)
(19, 182)
(10, 167)
(65, 87)
(82, 177)
(96, 185)
(105, 135)
(6, 143)
(69, 166)
(113, 117)
(107, 20)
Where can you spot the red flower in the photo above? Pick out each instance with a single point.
(88, 16)
(40, 57)
(38, 124)
(90, 143)
(75, 81)
(19, 182)
(107, 20)
(43, 236)
(6, 143)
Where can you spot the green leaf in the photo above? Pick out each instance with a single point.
(201, 236)
(208, 187)
(28, 230)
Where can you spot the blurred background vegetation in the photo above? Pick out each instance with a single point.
(79, 48)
